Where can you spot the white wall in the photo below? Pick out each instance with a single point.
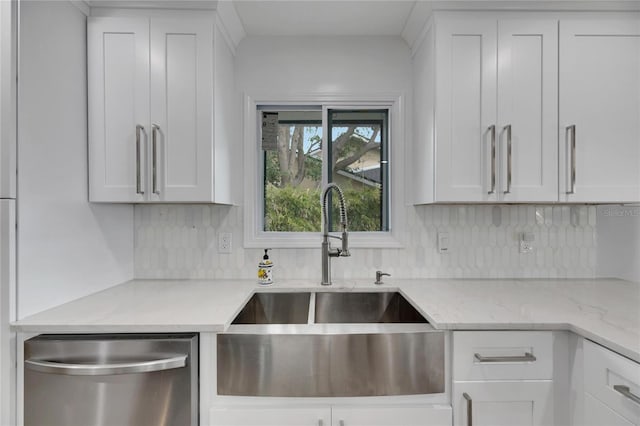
(619, 242)
(323, 64)
(67, 248)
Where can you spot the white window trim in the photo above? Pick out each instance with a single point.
(255, 237)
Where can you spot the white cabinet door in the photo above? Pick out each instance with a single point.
(7, 308)
(391, 416)
(118, 89)
(598, 414)
(465, 110)
(513, 403)
(270, 416)
(600, 96)
(496, 111)
(528, 110)
(181, 148)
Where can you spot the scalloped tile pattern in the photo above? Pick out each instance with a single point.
(180, 241)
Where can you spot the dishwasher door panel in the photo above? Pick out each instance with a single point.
(88, 380)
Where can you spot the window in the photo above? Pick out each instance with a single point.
(299, 159)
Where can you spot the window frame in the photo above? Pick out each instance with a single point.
(254, 235)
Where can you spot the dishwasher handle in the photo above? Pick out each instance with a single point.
(52, 367)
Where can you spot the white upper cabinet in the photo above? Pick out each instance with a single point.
(495, 133)
(600, 111)
(118, 73)
(466, 133)
(528, 110)
(152, 136)
(181, 110)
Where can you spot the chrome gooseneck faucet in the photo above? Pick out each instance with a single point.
(327, 251)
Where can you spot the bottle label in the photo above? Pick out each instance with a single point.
(265, 274)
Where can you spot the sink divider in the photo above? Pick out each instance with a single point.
(312, 308)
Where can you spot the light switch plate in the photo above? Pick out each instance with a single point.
(443, 242)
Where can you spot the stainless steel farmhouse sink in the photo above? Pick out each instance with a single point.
(371, 307)
(275, 308)
(330, 344)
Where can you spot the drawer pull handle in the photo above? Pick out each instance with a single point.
(469, 409)
(626, 392)
(527, 357)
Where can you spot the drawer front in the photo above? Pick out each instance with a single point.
(392, 415)
(270, 416)
(609, 376)
(502, 355)
(598, 414)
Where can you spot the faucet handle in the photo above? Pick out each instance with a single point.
(379, 275)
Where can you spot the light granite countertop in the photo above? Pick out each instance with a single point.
(606, 311)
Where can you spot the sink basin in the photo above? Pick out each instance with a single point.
(275, 308)
(379, 307)
(330, 344)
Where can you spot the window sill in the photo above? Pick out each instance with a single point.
(293, 240)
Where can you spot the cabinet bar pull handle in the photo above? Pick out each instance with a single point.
(139, 189)
(341, 423)
(492, 129)
(572, 129)
(527, 357)
(626, 392)
(509, 159)
(469, 409)
(154, 159)
(320, 422)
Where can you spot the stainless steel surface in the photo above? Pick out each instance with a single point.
(373, 307)
(55, 367)
(572, 130)
(379, 275)
(325, 250)
(492, 130)
(527, 357)
(331, 365)
(509, 159)
(275, 308)
(126, 398)
(469, 409)
(139, 189)
(626, 392)
(154, 158)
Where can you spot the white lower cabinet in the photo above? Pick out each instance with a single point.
(614, 382)
(513, 403)
(391, 416)
(598, 414)
(270, 416)
(503, 378)
(338, 415)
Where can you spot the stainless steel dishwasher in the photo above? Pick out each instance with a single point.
(111, 380)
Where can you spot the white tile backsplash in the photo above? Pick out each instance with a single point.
(181, 241)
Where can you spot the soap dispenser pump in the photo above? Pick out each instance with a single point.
(265, 269)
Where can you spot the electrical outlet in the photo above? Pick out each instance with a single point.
(225, 242)
(526, 242)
